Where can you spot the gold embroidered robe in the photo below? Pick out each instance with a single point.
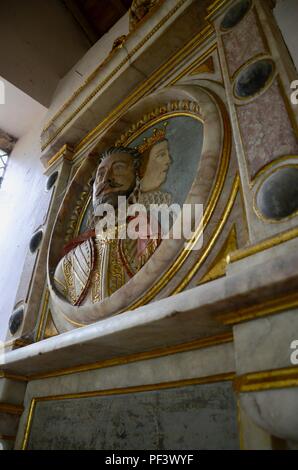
(95, 269)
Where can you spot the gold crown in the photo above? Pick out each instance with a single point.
(158, 135)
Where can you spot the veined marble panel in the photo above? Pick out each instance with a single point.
(266, 129)
(243, 42)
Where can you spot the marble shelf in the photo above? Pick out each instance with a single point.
(184, 317)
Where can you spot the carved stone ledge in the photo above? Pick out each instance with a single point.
(123, 72)
(155, 325)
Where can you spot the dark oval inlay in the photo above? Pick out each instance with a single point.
(15, 320)
(35, 241)
(278, 196)
(51, 180)
(253, 78)
(235, 14)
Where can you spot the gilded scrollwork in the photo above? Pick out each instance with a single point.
(169, 108)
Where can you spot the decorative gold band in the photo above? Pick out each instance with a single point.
(263, 245)
(267, 380)
(4, 437)
(17, 378)
(270, 307)
(215, 7)
(11, 409)
(161, 352)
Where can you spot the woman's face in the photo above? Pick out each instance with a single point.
(158, 164)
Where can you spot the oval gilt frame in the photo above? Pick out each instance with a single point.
(205, 189)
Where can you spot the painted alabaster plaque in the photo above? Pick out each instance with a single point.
(161, 159)
(156, 168)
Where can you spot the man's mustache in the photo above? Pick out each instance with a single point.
(108, 184)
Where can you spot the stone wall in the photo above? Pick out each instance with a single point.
(23, 183)
(286, 13)
(197, 416)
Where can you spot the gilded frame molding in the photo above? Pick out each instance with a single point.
(269, 307)
(137, 357)
(220, 176)
(263, 245)
(285, 377)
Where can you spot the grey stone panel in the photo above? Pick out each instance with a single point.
(192, 417)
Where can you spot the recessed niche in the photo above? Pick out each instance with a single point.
(16, 320)
(51, 180)
(253, 78)
(277, 197)
(35, 241)
(235, 14)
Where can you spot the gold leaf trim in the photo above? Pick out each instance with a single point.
(267, 380)
(16, 377)
(11, 409)
(263, 245)
(4, 437)
(270, 307)
(156, 353)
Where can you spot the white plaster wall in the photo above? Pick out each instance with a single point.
(19, 193)
(24, 179)
(40, 42)
(286, 14)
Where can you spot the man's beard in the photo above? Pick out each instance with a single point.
(111, 198)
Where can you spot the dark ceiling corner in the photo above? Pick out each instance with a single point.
(96, 17)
